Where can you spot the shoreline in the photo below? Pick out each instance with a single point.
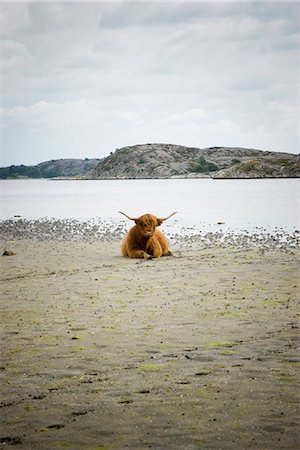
(97, 229)
(173, 177)
(195, 351)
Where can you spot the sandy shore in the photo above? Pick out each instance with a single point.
(105, 352)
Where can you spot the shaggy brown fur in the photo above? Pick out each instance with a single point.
(144, 240)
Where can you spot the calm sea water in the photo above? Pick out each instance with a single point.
(201, 203)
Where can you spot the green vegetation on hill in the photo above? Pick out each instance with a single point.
(202, 166)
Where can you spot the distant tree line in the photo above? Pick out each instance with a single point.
(27, 171)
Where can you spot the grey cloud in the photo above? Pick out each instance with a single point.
(176, 13)
(137, 14)
(284, 11)
(36, 18)
(13, 17)
(252, 84)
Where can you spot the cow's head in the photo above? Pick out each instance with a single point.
(148, 222)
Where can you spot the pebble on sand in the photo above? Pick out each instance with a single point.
(8, 253)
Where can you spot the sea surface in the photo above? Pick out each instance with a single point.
(202, 204)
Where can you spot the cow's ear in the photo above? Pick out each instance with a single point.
(159, 222)
(137, 221)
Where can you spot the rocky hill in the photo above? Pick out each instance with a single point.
(51, 169)
(176, 161)
(281, 167)
(167, 161)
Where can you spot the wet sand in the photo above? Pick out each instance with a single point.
(195, 351)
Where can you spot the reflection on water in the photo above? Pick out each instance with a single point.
(201, 203)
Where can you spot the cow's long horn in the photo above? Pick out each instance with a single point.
(130, 218)
(168, 217)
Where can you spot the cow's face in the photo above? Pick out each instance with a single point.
(147, 224)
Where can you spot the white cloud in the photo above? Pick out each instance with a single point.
(14, 55)
(192, 115)
(80, 114)
(287, 116)
(224, 126)
(282, 108)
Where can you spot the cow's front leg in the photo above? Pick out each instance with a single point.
(154, 248)
(135, 253)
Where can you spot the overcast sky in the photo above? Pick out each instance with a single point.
(82, 79)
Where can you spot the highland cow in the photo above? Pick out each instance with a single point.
(144, 240)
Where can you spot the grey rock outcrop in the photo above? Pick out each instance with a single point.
(281, 167)
(177, 161)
